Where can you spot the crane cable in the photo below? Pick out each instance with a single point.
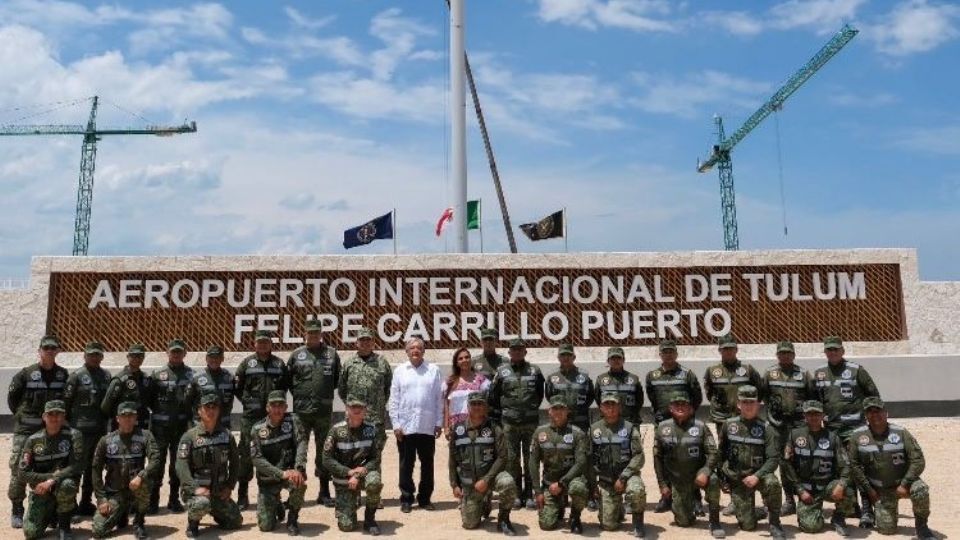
(783, 197)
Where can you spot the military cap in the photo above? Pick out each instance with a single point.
(353, 401)
(277, 396)
(614, 352)
(476, 397)
(610, 397)
(488, 333)
(668, 345)
(49, 341)
(137, 349)
(558, 400)
(364, 332)
(747, 392)
(565, 348)
(812, 405)
(517, 343)
(176, 344)
(263, 335)
(93, 347)
(55, 405)
(215, 350)
(832, 342)
(313, 325)
(127, 407)
(785, 346)
(679, 397)
(873, 402)
(209, 397)
(727, 341)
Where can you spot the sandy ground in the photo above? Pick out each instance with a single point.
(936, 435)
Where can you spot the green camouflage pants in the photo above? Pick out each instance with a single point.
(783, 432)
(518, 450)
(318, 424)
(475, 506)
(810, 516)
(225, 512)
(549, 515)
(611, 503)
(685, 493)
(168, 437)
(886, 508)
(742, 498)
(120, 504)
(268, 499)
(245, 472)
(348, 500)
(17, 490)
(43, 509)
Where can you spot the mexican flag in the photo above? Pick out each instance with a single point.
(473, 217)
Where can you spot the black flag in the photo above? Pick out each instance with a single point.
(375, 229)
(548, 227)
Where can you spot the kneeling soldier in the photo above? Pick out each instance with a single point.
(50, 464)
(617, 454)
(278, 448)
(886, 462)
(478, 457)
(351, 454)
(816, 465)
(562, 449)
(684, 457)
(130, 457)
(749, 455)
(207, 464)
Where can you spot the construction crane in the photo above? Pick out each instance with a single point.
(720, 156)
(88, 154)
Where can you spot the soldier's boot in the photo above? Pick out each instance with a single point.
(123, 521)
(243, 500)
(173, 504)
(638, 525)
(592, 504)
(776, 530)
(575, 526)
(293, 523)
(729, 509)
(370, 521)
(839, 523)
(324, 498)
(662, 505)
(504, 524)
(154, 505)
(867, 519)
(716, 530)
(281, 512)
(923, 531)
(139, 527)
(193, 528)
(789, 506)
(86, 508)
(63, 526)
(16, 515)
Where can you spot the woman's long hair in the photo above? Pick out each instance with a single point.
(455, 371)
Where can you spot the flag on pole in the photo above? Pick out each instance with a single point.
(445, 217)
(473, 217)
(375, 229)
(548, 227)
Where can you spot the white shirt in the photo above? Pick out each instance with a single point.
(416, 398)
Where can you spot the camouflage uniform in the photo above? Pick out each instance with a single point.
(617, 454)
(275, 449)
(123, 457)
(626, 385)
(841, 389)
(577, 389)
(256, 378)
(313, 380)
(220, 382)
(129, 386)
(681, 452)
(209, 459)
(169, 420)
(487, 365)
(83, 396)
(721, 383)
(369, 379)
(563, 451)
(662, 384)
(345, 448)
(44, 457)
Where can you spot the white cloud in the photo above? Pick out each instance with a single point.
(740, 23)
(399, 36)
(823, 16)
(371, 98)
(302, 21)
(846, 98)
(687, 96)
(916, 26)
(636, 15)
(939, 140)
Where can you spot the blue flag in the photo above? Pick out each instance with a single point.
(375, 229)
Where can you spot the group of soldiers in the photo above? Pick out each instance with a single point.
(827, 432)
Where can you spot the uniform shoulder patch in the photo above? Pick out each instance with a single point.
(597, 433)
(717, 372)
(264, 432)
(800, 442)
(863, 440)
(542, 436)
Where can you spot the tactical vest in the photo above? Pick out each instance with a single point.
(611, 449)
(208, 455)
(841, 395)
(169, 392)
(259, 379)
(474, 450)
(814, 457)
(128, 386)
(220, 383)
(627, 386)
(353, 447)
(725, 384)
(664, 385)
(557, 450)
(518, 394)
(747, 446)
(683, 448)
(278, 445)
(577, 389)
(85, 393)
(124, 457)
(884, 460)
(35, 393)
(43, 454)
(787, 393)
(313, 379)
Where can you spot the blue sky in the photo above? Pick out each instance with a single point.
(316, 116)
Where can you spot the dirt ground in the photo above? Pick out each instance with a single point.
(936, 435)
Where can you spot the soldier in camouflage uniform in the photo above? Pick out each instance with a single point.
(314, 373)
(351, 455)
(563, 449)
(663, 383)
(30, 389)
(169, 420)
(83, 396)
(886, 463)
(214, 379)
(257, 375)
(623, 383)
(367, 376)
(278, 447)
(207, 464)
(517, 391)
(477, 466)
(816, 466)
(131, 384)
(617, 454)
(749, 454)
(50, 464)
(722, 381)
(489, 359)
(129, 456)
(684, 458)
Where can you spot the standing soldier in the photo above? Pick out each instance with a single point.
(83, 396)
(130, 457)
(662, 384)
(214, 379)
(351, 454)
(489, 360)
(477, 466)
(367, 376)
(258, 374)
(278, 447)
(314, 373)
(749, 455)
(783, 390)
(723, 380)
(563, 450)
(30, 389)
(816, 465)
(886, 463)
(169, 420)
(624, 384)
(207, 464)
(50, 463)
(684, 458)
(517, 391)
(131, 384)
(617, 454)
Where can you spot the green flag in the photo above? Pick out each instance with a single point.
(473, 214)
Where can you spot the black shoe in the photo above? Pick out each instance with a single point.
(406, 507)
(716, 530)
(922, 530)
(575, 526)
(698, 508)
(293, 523)
(867, 521)
(776, 532)
(662, 505)
(839, 524)
(154, 507)
(592, 505)
(16, 515)
(193, 529)
(504, 524)
(327, 500)
(63, 525)
(174, 505)
(638, 525)
(139, 530)
(370, 521)
(428, 506)
(789, 507)
(242, 499)
(86, 508)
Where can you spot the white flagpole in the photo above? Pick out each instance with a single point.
(458, 125)
(393, 217)
(566, 247)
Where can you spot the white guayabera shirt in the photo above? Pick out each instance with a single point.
(416, 398)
